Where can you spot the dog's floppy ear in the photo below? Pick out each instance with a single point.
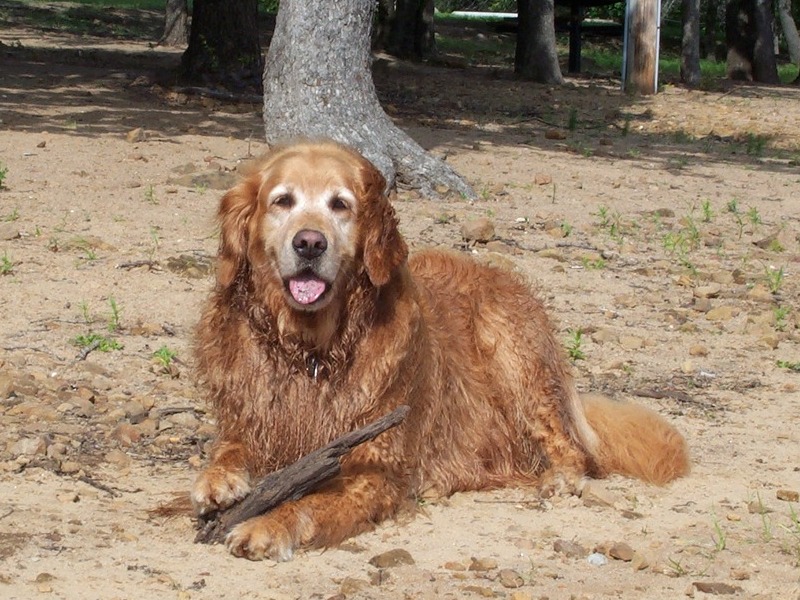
(384, 248)
(235, 210)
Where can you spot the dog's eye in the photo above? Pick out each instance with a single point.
(284, 201)
(338, 204)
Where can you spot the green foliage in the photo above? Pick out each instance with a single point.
(3, 173)
(574, 343)
(754, 216)
(677, 567)
(593, 264)
(626, 126)
(774, 278)
(268, 6)
(150, 195)
(602, 213)
(791, 366)
(612, 12)
(113, 319)
(708, 213)
(780, 313)
(755, 144)
(448, 6)
(84, 308)
(99, 342)
(719, 537)
(572, 121)
(775, 246)
(6, 265)
(164, 356)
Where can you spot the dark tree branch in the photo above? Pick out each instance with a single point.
(294, 481)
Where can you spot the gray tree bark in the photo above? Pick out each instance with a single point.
(790, 32)
(690, 43)
(176, 24)
(536, 57)
(318, 83)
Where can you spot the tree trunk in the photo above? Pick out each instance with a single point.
(740, 39)
(789, 30)
(317, 83)
(536, 57)
(411, 32)
(690, 43)
(176, 23)
(765, 67)
(748, 34)
(382, 24)
(223, 44)
(713, 14)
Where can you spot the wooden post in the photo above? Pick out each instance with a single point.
(642, 29)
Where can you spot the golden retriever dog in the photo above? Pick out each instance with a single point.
(320, 323)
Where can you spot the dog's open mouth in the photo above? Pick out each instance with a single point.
(307, 288)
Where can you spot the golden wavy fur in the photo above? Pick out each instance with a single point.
(320, 323)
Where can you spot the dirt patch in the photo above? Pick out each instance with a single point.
(662, 232)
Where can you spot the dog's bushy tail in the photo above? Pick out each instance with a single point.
(635, 441)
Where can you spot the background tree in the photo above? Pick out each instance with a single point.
(750, 41)
(790, 32)
(223, 43)
(317, 82)
(536, 56)
(713, 16)
(176, 23)
(690, 43)
(409, 28)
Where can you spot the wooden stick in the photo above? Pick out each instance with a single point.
(294, 481)
(670, 393)
(87, 350)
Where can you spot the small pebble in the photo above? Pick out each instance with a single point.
(597, 560)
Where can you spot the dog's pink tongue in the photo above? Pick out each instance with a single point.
(306, 289)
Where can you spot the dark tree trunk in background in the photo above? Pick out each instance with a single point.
(740, 39)
(765, 67)
(318, 83)
(223, 44)
(411, 30)
(712, 17)
(536, 56)
(176, 24)
(690, 43)
(383, 23)
(748, 33)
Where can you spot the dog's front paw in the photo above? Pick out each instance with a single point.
(218, 488)
(275, 535)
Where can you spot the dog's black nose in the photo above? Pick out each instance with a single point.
(309, 243)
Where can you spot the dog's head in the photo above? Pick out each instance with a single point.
(309, 216)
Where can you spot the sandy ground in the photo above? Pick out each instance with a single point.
(665, 230)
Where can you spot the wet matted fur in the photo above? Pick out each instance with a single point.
(320, 323)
